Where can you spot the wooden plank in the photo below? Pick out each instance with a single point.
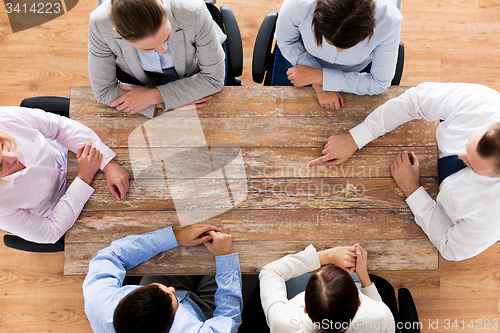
(259, 131)
(277, 193)
(271, 162)
(258, 101)
(400, 254)
(257, 225)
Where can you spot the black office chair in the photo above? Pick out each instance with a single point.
(406, 318)
(234, 48)
(263, 53)
(60, 106)
(404, 312)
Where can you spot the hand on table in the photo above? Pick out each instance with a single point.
(89, 160)
(201, 103)
(221, 245)
(337, 150)
(117, 179)
(361, 266)
(342, 256)
(136, 99)
(405, 170)
(328, 99)
(195, 234)
(301, 75)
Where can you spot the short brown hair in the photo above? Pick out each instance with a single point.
(146, 309)
(489, 145)
(343, 23)
(137, 19)
(332, 295)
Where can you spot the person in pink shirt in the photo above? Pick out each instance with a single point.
(34, 202)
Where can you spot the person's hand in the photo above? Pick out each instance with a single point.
(361, 265)
(89, 160)
(337, 150)
(405, 170)
(117, 179)
(221, 245)
(201, 103)
(136, 99)
(342, 256)
(195, 234)
(328, 99)
(301, 75)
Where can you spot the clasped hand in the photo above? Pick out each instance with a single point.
(216, 242)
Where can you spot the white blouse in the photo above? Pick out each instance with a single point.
(35, 204)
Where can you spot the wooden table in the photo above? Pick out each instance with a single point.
(289, 205)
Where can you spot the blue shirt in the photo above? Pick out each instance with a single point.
(102, 288)
(154, 61)
(295, 38)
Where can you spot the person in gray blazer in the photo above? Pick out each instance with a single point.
(151, 53)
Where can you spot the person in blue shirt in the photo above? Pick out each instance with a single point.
(156, 308)
(337, 46)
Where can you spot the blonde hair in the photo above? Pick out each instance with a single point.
(12, 141)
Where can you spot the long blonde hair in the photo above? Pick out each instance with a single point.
(7, 137)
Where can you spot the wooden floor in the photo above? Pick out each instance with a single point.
(447, 40)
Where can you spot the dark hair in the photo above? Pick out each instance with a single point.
(137, 19)
(489, 145)
(146, 309)
(331, 294)
(343, 23)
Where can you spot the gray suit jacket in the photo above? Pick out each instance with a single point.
(196, 43)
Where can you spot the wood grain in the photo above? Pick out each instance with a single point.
(393, 254)
(272, 162)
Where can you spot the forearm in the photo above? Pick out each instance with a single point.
(354, 82)
(228, 298)
(452, 240)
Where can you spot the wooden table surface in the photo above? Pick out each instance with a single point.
(289, 205)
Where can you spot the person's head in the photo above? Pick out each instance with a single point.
(8, 158)
(143, 23)
(331, 294)
(146, 309)
(343, 23)
(482, 153)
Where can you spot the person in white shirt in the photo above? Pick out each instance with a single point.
(34, 202)
(331, 300)
(337, 45)
(464, 219)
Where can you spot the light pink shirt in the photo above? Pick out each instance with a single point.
(35, 204)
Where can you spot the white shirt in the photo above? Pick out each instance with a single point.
(288, 316)
(35, 204)
(464, 219)
(295, 38)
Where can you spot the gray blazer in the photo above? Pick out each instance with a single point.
(196, 43)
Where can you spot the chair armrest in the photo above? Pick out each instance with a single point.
(399, 65)
(52, 104)
(18, 243)
(407, 312)
(233, 42)
(262, 48)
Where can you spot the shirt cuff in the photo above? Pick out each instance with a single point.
(418, 200)
(227, 263)
(361, 135)
(107, 155)
(332, 80)
(372, 292)
(166, 238)
(80, 190)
